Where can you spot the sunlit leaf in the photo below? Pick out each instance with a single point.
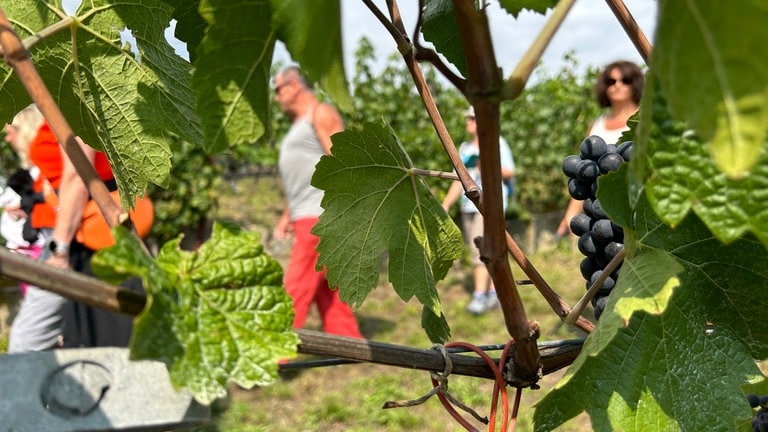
(213, 316)
(233, 95)
(682, 176)
(713, 65)
(516, 6)
(393, 212)
(680, 293)
(440, 28)
(190, 26)
(119, 101)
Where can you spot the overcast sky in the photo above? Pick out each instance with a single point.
(590, 30)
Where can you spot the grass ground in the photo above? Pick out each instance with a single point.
(350, 397)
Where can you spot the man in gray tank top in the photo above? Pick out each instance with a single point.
(308, 139)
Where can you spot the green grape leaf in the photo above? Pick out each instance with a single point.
(727, 108)
(682, 176)
(190, 25)
(233, 95)
(680, 320)
(436, 325)
(118, 101)
(612, 193)
(311, 31)
(123, 260)
(440, 28)
(514, 7)
(215, 315)
(392, 211)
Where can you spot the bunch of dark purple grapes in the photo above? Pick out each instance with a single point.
(760, 421)
(599, 238)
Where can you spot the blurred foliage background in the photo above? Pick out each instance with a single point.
(544, 125)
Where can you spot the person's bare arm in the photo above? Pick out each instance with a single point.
(15, 212)
(507, 161)
(574, 208)
(453, 194)
(283, 227)
(507, 173)
(73, 195)
(326, 121)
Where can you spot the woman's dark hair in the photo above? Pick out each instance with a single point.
(630, 71)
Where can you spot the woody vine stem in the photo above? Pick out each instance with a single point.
(485, 88)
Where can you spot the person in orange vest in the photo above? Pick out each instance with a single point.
(46, 320)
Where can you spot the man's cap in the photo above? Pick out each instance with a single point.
(469, 112)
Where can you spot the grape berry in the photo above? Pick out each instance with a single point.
(600, 239)
(760, 421)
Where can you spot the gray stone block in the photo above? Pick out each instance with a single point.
(94, 389)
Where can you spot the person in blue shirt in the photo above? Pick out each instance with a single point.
(484, 295)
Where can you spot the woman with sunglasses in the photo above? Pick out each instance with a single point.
(619, 89)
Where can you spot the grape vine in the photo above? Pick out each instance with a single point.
(600, 239)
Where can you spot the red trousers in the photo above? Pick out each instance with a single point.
(305, 285)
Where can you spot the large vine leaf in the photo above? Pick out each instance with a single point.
(680, 175)
(215, 315)
(680, 321)
(190, 25)
(392, 211)
(728, 107)
(514, 7)
(440, 28)
(120, 102)
(311, 31)
(233, 95)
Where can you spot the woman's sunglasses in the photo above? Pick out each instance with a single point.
(611, 81)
